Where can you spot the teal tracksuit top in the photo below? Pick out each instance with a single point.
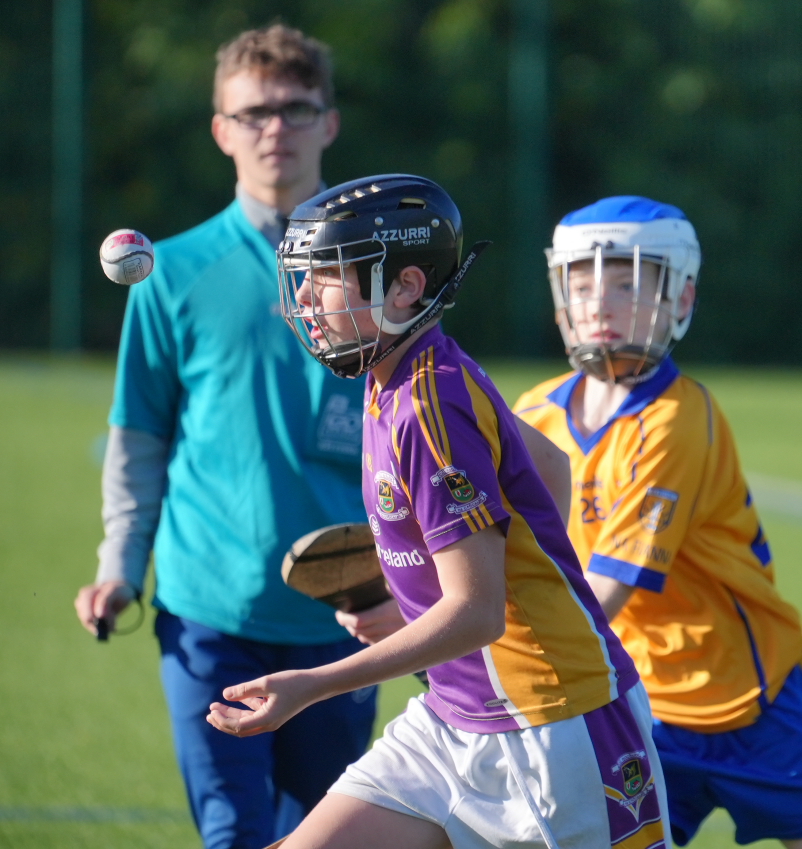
(265, 442)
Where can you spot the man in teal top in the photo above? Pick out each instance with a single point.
(226, 445)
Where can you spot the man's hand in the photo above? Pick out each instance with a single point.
(270, 702)
(103, 601)
(374, 624)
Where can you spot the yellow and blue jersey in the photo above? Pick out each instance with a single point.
(659, 502)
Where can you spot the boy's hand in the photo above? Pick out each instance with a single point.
(271, 701)
(374, 624)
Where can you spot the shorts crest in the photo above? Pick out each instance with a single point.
(629, 770)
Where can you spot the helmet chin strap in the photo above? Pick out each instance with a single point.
(444, 299)
(377, 298)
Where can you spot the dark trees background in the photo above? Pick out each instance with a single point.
(695, 102)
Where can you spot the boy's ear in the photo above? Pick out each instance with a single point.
(409, 286)
(686, 299)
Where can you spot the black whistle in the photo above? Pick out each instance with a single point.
(102, 630)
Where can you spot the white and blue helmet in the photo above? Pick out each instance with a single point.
(636, 229)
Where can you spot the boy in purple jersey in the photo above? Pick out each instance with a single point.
(536, 731)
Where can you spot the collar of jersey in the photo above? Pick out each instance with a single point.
(638, 399)
(423, 340)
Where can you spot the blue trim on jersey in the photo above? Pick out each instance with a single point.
(622, 208)
(638, 399)
(760, 547)
(627, 573)
(761, 674)
(529, 409)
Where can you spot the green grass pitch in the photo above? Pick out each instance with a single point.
(86, 753)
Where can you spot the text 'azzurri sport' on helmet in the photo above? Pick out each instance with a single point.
(380, 225)
(628, 260)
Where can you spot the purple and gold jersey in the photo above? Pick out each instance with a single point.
(443, 459)
(659, 502)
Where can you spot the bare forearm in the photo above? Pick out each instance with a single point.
(447, 630)
(469, 616)
(612, 594)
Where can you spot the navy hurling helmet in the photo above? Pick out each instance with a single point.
(381, 225)
(632, 230)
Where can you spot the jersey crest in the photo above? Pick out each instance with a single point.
(461, 488)
(386, 499)
(657, 509)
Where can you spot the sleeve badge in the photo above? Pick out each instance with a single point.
(657, 509)
(461, 488)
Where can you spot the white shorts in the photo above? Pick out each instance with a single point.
(589, 781)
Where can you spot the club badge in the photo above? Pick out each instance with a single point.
(636, 787)
(633, 777)
(386, 498)
(657, 509)
(461, 488)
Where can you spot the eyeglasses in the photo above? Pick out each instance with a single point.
(296, 114)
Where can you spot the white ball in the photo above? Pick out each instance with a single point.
(126, 256)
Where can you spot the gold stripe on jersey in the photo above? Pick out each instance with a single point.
(558, 676)
(396, 446)
(373, 408)
(440, 425)
(549, 659)
(485, 414)
(426, 406)
(486, 419)
(650, 834)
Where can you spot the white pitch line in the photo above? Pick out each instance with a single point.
(776, 495)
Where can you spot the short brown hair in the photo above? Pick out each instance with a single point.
(276, 52)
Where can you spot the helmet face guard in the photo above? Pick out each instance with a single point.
(353, 357)
(647, 314)
(378, 225)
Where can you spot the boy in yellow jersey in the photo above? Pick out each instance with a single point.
(664, 525)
